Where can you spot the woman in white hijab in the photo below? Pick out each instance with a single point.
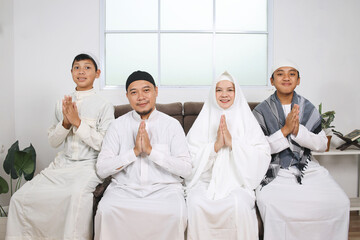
(230, 157)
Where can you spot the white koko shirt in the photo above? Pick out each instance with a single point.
(168, 160)
(83, 143)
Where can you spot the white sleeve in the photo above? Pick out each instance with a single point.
(310, 140)
(93, 135)
(252, 159)
(277, 142)
(173, 157)
(57, 133)
(110, 161)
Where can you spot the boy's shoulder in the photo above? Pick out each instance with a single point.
(262, 104)
(94, 98)
(271, 98)
(305, 101)
(100, 98)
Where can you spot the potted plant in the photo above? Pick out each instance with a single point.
(18, 164)
(326, 119)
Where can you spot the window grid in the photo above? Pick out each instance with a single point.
(159, 32)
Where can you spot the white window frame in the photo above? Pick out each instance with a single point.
(103, 32)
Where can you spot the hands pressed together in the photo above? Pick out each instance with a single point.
(70, 113)
(142, 142)
(292, 122)
(223, 136)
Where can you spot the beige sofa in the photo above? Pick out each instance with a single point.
(186, 114)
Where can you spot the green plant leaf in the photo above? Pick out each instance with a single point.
(23, 163)
(329, 114)
(320, 108)
(28, 175)
(326, 118)
(4, 187)
(9, 160)
(16, 164)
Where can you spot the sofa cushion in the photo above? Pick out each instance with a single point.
(252, 105)
(122, 109)
(191, 111)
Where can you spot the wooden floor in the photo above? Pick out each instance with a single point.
(354, 231)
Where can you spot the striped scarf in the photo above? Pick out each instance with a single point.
(271, 118)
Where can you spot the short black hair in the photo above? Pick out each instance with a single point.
(84, 56)
(272, 75)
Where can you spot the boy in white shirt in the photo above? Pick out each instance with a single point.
(297, 199)
(57, 203)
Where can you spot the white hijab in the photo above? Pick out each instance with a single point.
(243, 166)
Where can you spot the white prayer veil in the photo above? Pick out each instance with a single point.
(243, 166)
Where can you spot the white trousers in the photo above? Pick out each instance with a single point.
(231, 218)
(56, 204)
(141, 214)
(317, 209)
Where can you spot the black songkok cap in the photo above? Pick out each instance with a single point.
(139, 75)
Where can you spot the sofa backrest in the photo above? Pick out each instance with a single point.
(185, 113)
(191, 111)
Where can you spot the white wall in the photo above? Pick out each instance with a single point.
(48, 34)
(322, 36)
(7, 124)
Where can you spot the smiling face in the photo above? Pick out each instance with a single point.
(225, 94)
(84, 74)
(142, 97)
(285, 80)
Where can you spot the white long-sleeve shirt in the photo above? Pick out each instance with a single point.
(65, 187)
(168, 160)
(84, 142)
(305, 138)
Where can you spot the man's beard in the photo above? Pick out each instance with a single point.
(144, 113)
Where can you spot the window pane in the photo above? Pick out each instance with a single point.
(131, 15)
(242, 55)
(186, 59)
(241, 15)
(186, 14)
(126, 53)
